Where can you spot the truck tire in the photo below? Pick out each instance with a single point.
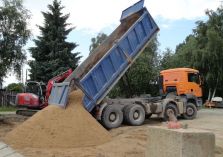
(134, 115)
(191, 111)
(170, 108)
(112, 116)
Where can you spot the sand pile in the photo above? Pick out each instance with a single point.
(54, 127)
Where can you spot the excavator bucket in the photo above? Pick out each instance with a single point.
(59, 94)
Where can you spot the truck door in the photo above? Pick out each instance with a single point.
(194, 84)
(160, 81)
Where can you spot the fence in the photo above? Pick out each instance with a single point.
(7, 98)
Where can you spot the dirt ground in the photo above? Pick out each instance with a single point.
(8, 121)
(126, 141)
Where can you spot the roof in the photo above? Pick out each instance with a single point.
(180, 69)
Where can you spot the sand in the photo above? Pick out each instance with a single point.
(54, 127)
(126, 142)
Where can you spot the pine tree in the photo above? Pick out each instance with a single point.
(52, 53)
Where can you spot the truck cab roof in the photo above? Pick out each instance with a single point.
(189, 70)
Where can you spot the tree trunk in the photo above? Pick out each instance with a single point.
(213, 95)
(209, 94)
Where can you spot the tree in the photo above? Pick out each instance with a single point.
(210, 43)
(167, 60)
(182, 56)
(16, 87)
(96, 41)
(203, 49)
(52, 53)
(13, 36)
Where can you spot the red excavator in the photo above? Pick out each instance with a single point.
(36, 95)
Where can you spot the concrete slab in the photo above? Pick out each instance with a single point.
(2, 145)
(7, 151)
(164, 142)
(15, 155)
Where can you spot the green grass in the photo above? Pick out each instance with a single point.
(7, 109)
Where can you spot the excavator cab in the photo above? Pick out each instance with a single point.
(33, 96)
(37, 88)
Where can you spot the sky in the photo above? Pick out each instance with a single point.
(175, 18)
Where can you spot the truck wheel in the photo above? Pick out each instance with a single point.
(112, 116)
(134, 115)
(191, 111)
(170, 108)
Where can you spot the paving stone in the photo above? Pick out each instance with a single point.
(7, 151)
(2, 145)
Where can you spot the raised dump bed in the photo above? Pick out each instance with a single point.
(106, 64)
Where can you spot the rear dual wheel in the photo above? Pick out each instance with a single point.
(134, 114)
(112, 116)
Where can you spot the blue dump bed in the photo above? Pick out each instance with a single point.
(103, 68)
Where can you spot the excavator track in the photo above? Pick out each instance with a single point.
(26, 112)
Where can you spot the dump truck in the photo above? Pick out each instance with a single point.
(104, 67)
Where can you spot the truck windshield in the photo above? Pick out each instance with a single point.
(194, 77)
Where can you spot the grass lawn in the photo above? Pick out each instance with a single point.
(7, 109)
